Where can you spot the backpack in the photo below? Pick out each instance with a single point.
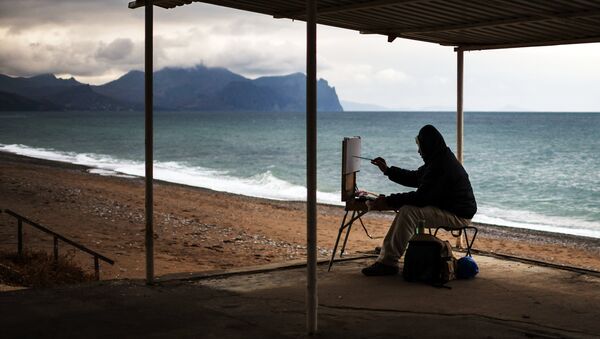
(429, 259)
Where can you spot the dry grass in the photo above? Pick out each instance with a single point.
(38, 269)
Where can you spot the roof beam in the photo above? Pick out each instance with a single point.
(492, 23)
(467, 47)
(136, 4)
(345, 8)
(164, 4)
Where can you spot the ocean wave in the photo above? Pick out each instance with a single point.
(536, 221)
(267, 185)
(263, 185)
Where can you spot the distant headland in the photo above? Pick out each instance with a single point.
(199, 88)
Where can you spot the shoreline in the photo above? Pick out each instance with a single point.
(573, 229)
(201, 229)
(501, 228)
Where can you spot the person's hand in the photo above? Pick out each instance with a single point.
(380, 162)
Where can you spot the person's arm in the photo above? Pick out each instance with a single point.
(404, 177)
(398, 175)
(429, 189)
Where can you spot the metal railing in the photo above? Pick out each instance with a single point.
(21, 219)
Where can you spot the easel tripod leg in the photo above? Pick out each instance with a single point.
(347, 233)
(363, 225)
(337, 240)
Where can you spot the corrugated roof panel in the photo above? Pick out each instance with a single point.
(468, 24)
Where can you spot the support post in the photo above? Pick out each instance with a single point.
(459, 104)
(149, 136)
(459, 114)
(311, 166)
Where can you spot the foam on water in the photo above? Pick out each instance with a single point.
(108, 173)
(266, 185)
(535, 221)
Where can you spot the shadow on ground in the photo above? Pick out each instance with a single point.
(507, 300)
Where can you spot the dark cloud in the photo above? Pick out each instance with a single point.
(81, 58)
(21, 15)
(91, 37)
(260, 58)
(117, 50)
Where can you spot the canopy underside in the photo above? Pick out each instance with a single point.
(469, 25)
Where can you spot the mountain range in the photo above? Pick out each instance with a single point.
(199, 88)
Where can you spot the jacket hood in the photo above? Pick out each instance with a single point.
(431, 142)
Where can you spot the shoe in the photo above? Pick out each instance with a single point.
(379, 269)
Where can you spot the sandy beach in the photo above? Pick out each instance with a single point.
(198, 229)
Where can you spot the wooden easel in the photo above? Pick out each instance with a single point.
(357, 206)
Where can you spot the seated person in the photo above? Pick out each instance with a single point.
(444, 197)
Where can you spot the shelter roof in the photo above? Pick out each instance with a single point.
(467, 24)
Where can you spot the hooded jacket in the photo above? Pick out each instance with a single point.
(441, 182)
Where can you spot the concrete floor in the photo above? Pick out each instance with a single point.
(508, 299)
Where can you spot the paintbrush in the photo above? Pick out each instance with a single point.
(356, 156)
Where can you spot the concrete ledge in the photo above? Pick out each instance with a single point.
(191, 276)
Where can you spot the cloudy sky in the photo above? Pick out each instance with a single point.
(98, 41)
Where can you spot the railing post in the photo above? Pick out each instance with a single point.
(55, 250)
(96, 268)
(19, 237)
(55, 237)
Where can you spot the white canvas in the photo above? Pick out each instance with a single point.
(352, 151)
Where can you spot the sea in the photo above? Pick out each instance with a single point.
(530, 170)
